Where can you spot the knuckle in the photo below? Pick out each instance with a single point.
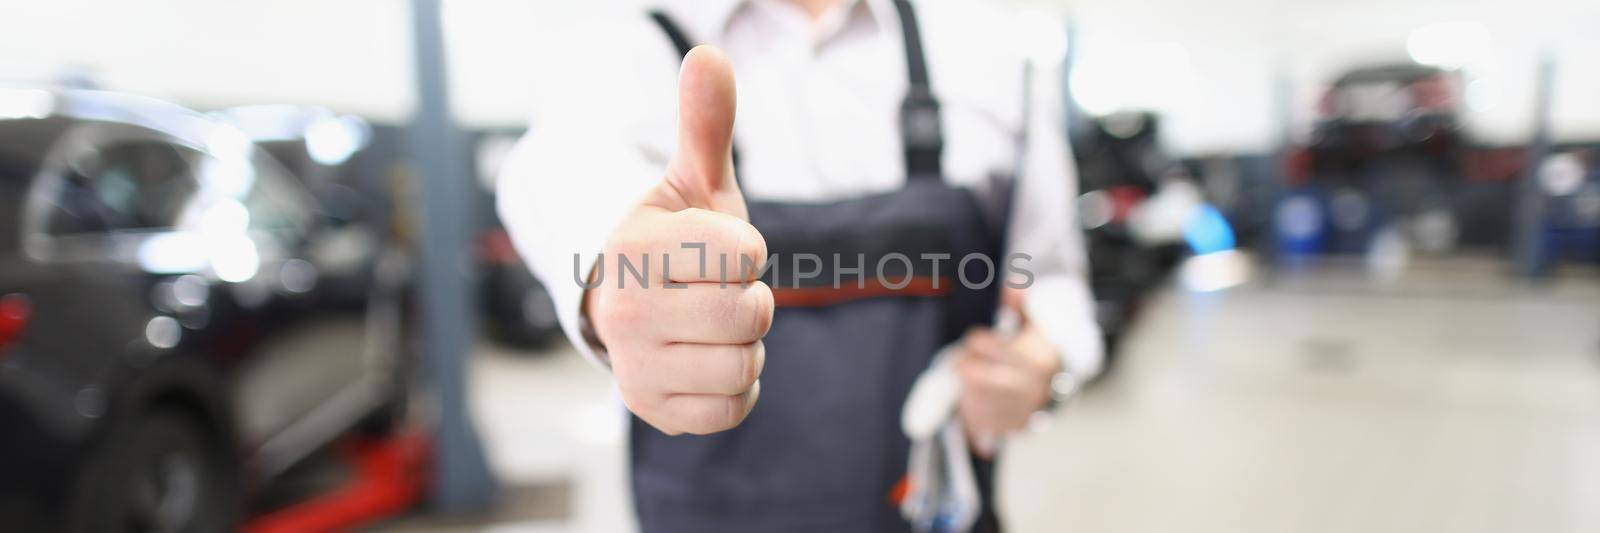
(701, 225)
(757, 307)
(718, 414)
(641, 403)
(631, 240)
(751, 244)
(758, 362)
(733, 411)
(727, 235)
(730, 412)
(634, 375)
(748, 368)
(618, 310)
(625, 368)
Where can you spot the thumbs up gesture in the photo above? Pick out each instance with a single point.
(686, 346)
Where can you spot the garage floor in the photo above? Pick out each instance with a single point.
(1450, 399)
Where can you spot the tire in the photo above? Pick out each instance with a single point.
(155, 473)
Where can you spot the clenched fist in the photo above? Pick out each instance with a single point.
(1005, 378)
(687, 356)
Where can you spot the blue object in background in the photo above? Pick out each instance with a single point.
(1207, 231)
(1299, 221)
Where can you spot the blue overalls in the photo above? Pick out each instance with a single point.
(823, 449)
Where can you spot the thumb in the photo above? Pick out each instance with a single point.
(1013, 313)
(701, 173)
(1013, 298)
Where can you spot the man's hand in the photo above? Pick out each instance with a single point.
(1004, 380)
(687, 358)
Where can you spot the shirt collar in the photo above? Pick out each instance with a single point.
(704, 20)
(707, 20)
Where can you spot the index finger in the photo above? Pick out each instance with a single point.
(697, 245)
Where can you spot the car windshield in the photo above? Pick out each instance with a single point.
(275, 202)
(130, 185)
(145, 182)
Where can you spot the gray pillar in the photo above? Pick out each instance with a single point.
(461, 478)
(1076, 121)
(1527, 243)
(1271, 193)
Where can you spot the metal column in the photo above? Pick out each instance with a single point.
(1527, 244)
(461, 480)
(1076, 119)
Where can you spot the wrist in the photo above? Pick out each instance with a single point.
(1062, 387)
(586, 328)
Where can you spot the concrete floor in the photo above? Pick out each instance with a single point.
(1449, 399)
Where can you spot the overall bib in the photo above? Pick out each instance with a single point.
(823, 449)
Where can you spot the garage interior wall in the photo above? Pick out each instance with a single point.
(1217, 64)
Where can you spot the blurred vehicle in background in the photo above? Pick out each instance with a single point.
(1569, 189)
(1141, 213)
(314, 145)
(1372, 111)
(1384, 165)
(517, 308)
(181, 316)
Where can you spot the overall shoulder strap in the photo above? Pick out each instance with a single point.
(921, 130)
(680, 41)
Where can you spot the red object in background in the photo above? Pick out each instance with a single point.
(1328, 104)
(15, 309)
(390, 476)
(1433, 93)
(1296, 166)
(901, 489)
(1123, 199)
(1496, 164)
(494, 246)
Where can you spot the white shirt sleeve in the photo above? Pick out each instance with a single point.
(580, 167)
(1044, 224)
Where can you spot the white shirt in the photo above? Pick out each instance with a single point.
(818, 105)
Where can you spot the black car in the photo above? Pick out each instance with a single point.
(1387, 109)
(1387, 152)
(1121, 164)
(174, 329)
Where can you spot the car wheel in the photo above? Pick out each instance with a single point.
(157, 473)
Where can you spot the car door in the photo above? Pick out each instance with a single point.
(77, 194)
(315, 366)
(137, 244)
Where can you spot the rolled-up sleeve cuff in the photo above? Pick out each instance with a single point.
(1064, 308)
(568, 298)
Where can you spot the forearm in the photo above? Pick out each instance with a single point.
(1045, 226)
(559, 207)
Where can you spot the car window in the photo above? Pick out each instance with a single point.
(11, 192)
(139, 184)
(13, 187)
(275, 201)
(23, 145)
